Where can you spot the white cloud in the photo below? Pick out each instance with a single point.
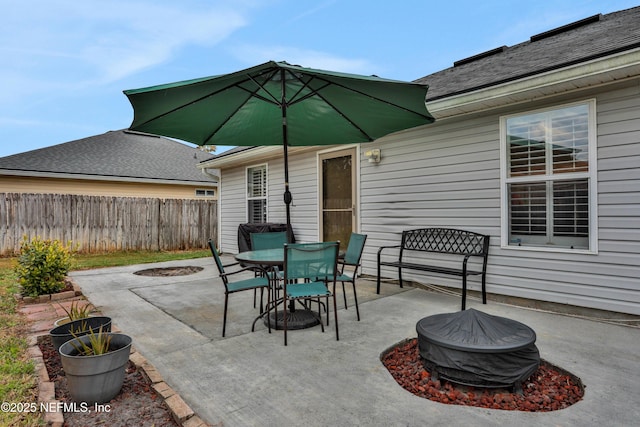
(313, 10)
(154, 35)
(255, 54)
(95, 42)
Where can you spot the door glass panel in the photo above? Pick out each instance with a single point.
(337, 226)
(337, 199)
(336, 183)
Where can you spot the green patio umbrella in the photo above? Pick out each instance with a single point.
(279, 104)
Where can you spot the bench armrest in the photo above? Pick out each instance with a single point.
(387, 247)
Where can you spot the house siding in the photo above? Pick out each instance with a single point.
(302, 184)
(232, 207)
(447, 174)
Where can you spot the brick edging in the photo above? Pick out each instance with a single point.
(181, 412)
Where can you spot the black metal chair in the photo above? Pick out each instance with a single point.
(352, 259)
(254, 283)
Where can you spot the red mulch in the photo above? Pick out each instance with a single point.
(548, 389)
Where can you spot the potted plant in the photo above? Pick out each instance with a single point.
(94, 365)
(76, 311)
(63, 333)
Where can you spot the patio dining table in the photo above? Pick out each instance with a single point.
(270, 259)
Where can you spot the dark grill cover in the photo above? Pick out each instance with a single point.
(473, 347)
(245, 230)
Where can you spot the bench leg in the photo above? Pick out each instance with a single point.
(464, 292)
(484, 288)
(400, 276)
(378, 281)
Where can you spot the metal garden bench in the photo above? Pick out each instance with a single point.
(450, 241)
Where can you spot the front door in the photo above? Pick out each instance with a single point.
(338, 196)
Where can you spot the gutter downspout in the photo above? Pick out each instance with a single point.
(211, 173)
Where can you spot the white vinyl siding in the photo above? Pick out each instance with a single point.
(448, 175)
(304, 208)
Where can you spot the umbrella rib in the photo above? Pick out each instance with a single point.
(293, 99)
(225, 121)
(252, 94)
(236, 84)
(327, 83)
(180, 107)
(273, 99)
(393, 104)
(308, 95)
(304, 92)
(315, 92)
(354, 124)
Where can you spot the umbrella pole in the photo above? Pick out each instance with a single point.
(285, 140)
(287, 194)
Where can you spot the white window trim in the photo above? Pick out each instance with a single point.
(592, 175)
(205, 196)
(246, 185)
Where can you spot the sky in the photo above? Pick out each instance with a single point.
(64, 64)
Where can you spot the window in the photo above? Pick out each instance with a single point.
(257, 194)
(205, 193)
(548, 178)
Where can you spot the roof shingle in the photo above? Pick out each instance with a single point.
(611, 33)
(119, 153)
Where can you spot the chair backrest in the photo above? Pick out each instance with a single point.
(216, 257)
(270, 240)
(355, 248)
(310, 260)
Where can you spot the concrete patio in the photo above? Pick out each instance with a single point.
(248, 379)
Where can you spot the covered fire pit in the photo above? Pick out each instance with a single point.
(474, 348)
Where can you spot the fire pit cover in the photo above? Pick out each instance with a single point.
(472, 347)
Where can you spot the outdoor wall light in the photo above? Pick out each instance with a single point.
(373, 155)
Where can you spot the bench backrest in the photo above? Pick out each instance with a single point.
(445, 240)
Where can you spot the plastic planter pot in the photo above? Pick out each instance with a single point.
(64, 320)
(95, 379)
(61, 334)
(61, 321)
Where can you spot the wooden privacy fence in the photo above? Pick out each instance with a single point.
(102, 224)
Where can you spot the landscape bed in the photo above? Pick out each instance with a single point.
(549, 388)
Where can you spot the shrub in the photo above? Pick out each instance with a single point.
(43, 265)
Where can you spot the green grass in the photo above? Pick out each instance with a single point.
(114, 259)
(18, 383)
(17, 380)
